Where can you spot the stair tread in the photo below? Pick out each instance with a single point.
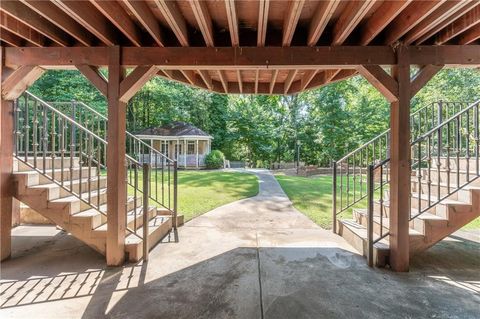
(361, 231)
(153, 224)
(130, 216)
(73, 198)
(425, 215)
(386, 220)
(67, 182)
(49, 170)
(386, 202)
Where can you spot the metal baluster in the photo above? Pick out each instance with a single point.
(156, 177)
(477, 140)
(35, 133)
(169, 189)
(448, 157)
(419, 176)
(26, 125)
(361, 173)
(98, 174)
(80, 161)
(62, 147)
(458, 148)
(429, 162)
(45, 138)
(89, 161)
(354, 179)
(175, 193)
(370, 188)
(163, 182)
(146, 186)
(53, 138)
(467, 146)
(135, 188)
(348, 182)
(334, 192)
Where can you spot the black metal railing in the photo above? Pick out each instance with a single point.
(445, 159)
(163, 170)
(350, 172)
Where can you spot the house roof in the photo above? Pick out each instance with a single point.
(176, 129)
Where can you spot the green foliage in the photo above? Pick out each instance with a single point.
(215, 159)
(329, 121)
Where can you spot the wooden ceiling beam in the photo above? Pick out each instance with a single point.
(232, 22)
(11, 38)
(35, 21)
(290, 21)
(118, 17)
(148, 20)
(470, 35)
(320, 20)
(415, 13)
(342, 75)
(263, 8)
(307, 78)
(448, 21)
(443, 13)
(380, 19)
(257, 75)
(21, 30)
(91, 19)
(204, 21)
(223, 79)
(349, 19)
(190, 76)
(289, 80)
(469, 20)
(95, 77)
(63, 21)
(247, 58)
(273, 80)
(175, 20)
(207, 79)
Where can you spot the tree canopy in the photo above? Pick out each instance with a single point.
(326, 122)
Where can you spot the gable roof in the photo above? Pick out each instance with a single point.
(173, 129)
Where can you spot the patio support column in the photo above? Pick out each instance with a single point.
(116, 170)
(185, 153)
(7, 202)
(196, 153)
(398, 89)
(400, 170)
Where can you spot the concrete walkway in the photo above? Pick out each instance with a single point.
(255, 258)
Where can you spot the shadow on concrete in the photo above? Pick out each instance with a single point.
(263, 282)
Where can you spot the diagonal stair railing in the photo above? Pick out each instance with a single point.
(44, 132)
(162, 172)
(445, 159)
(350, 180)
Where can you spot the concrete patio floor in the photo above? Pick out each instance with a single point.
(255, 258)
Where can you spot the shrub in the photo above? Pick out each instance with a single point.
(214, 159)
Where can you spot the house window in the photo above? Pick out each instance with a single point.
(191, 147)
(178, 148)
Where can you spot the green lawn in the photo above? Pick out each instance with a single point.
(313, 197)
(202, 191)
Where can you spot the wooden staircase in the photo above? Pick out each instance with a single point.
(446, 217)
(78, 217)
(60, 172)
(445, 183)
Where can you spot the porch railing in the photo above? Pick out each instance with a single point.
(350, 172)
(444, 160)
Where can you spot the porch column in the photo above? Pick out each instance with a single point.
(400, 171)
(196, 153)
(185, 153)
(116, 195)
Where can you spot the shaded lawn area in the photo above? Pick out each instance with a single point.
(201, 191)
(313, 197)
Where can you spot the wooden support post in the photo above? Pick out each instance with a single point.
(400, 170)
(7, 206)
(116, 171)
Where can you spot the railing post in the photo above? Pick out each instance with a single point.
(334, 194)
(370, 192)
(175, 193)
(440, 112)
(146, 195)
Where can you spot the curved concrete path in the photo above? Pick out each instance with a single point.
(256, 258)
